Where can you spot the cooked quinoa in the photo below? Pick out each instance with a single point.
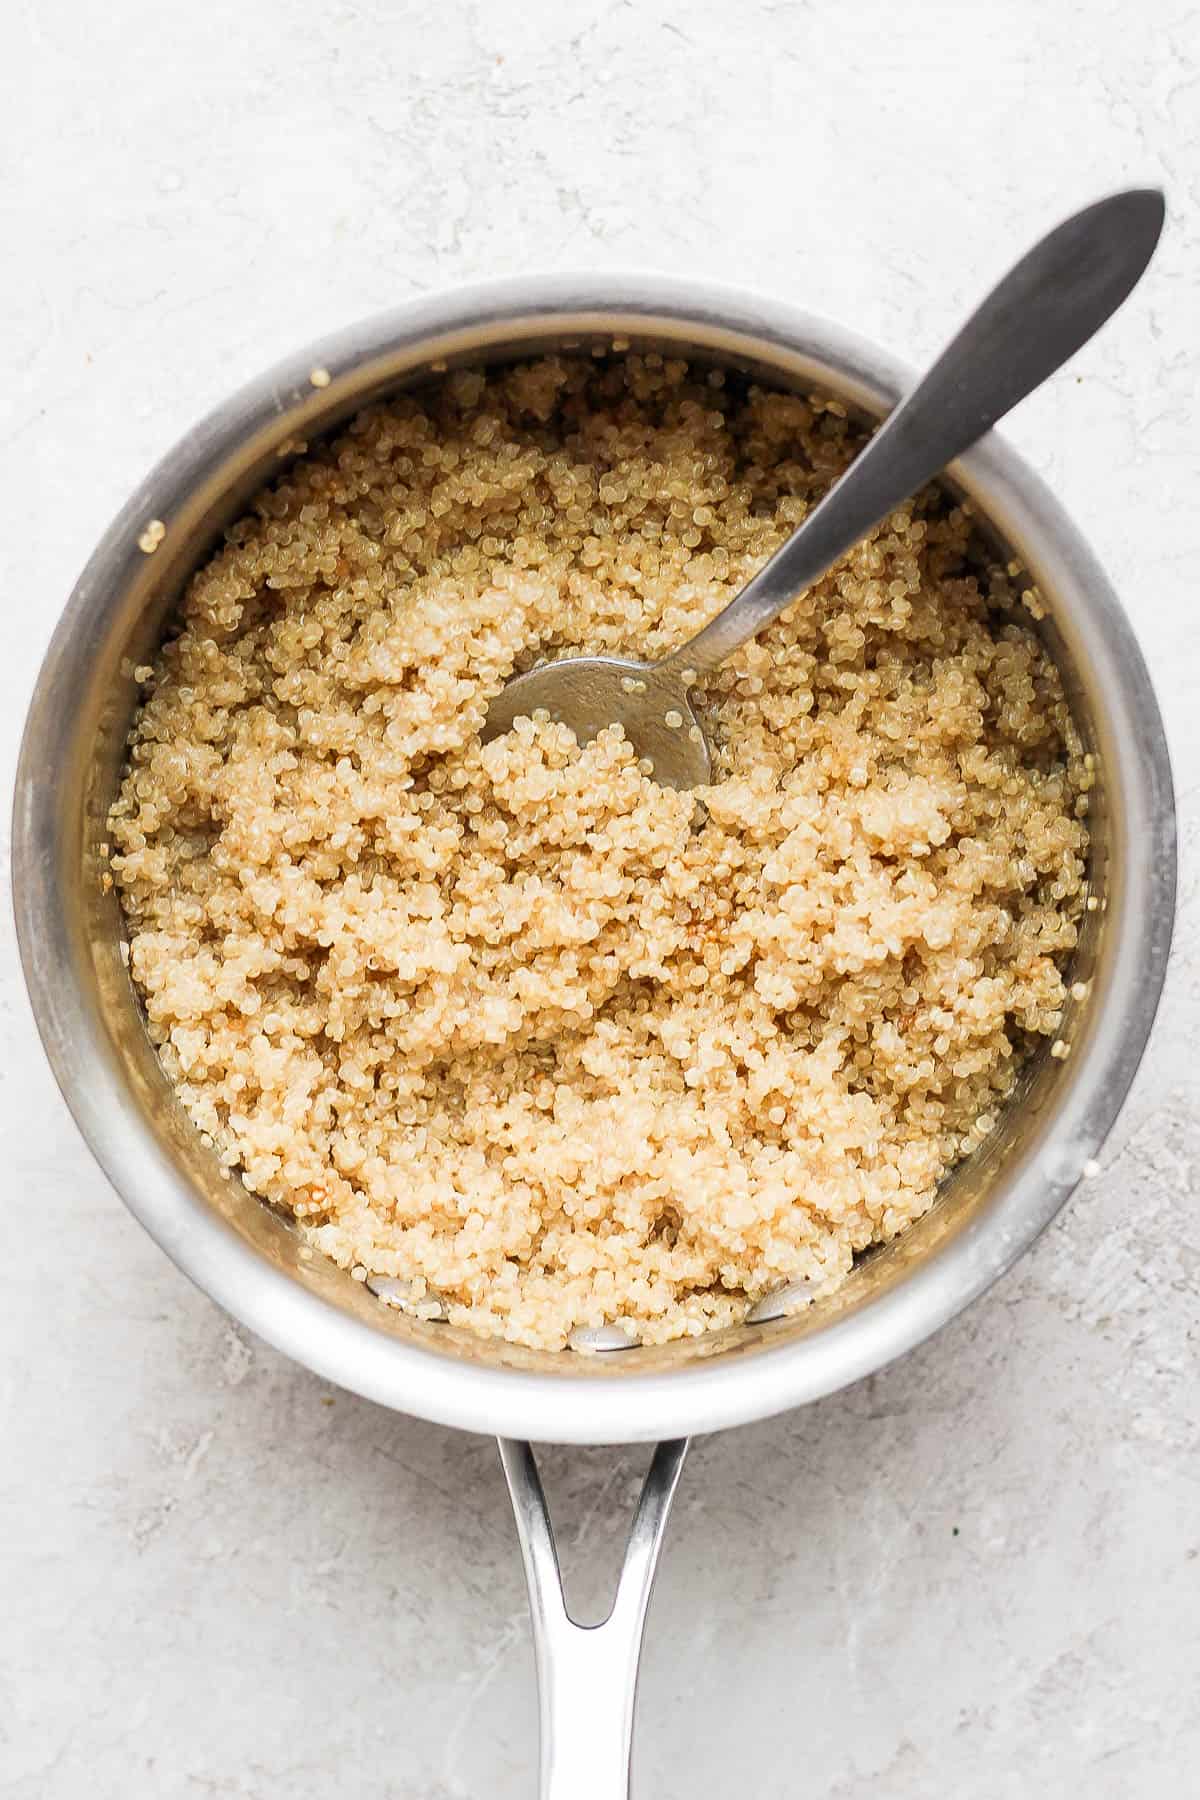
(549, 1042)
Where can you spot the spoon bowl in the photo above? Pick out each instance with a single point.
(591, 693)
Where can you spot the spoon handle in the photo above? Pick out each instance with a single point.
(1039, 315)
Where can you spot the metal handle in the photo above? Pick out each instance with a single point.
(1040, 314)
(587, 1674)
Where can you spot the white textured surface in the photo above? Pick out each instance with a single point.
(977, 1574)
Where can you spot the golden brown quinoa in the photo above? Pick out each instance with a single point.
(503, 1021)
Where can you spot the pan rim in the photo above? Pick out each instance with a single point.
(621, 1405)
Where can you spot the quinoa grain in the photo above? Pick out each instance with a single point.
(513, 1023)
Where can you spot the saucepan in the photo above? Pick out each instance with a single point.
(254, 1263)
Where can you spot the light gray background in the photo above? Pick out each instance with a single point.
(975, 1575)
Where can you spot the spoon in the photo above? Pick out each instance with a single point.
(1043, 310)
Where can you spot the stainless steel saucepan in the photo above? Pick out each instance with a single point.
(253, 1262)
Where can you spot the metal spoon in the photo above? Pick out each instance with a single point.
(1039, 315)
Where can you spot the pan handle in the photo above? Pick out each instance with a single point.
(587, 1674)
